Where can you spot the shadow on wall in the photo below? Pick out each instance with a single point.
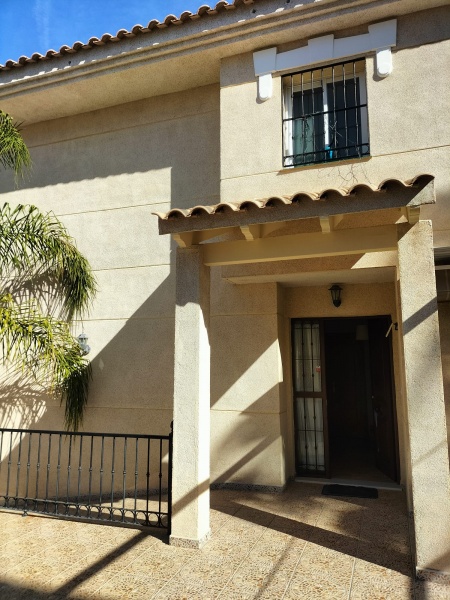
(127, 374)
(23, 403)
(131, 392)
(132, 389)
(240, 445)
(103, 145)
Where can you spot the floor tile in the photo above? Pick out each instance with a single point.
(426, 590)
(307, 587)
(130, 587)
(370, 578)
(298, 544)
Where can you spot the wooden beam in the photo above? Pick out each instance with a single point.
(302, 245)
(325, 224)
(184, 240)
(413, 214)
(251, 232)
(268, 228)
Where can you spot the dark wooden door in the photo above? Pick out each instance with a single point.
(383, 397)
(347, 410)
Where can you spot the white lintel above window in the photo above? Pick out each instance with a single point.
(380, 38)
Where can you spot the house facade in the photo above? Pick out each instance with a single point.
(224, 171)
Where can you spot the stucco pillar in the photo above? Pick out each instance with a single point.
(424, 399)
(191, 412)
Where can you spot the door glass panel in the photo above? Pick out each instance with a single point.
(308, 403)
(310, 440)
(307, 377)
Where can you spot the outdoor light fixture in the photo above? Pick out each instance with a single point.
(335, 291)
(82, 341)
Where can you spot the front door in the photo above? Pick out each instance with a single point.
(345, 417)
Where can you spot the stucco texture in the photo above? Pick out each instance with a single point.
(103, 174)
(407, 132)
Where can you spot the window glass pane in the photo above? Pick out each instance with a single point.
(325, 114)
(344, 120)
(308, 129)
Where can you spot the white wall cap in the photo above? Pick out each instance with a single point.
(384, 62)
(264, 61)
(265, 87)
(320, 48)
(286, 59)
(350, 46)
(381, 37)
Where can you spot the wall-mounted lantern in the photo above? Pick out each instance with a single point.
(335, 291)
(82, 341)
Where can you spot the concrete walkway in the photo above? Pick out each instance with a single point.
(298, 544)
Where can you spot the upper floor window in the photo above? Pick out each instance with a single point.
(325, 114)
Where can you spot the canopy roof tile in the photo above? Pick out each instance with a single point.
(297, 198)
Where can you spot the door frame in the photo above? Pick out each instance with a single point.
(326, 474)
(396, 457)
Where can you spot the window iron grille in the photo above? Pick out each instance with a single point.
(325, 114)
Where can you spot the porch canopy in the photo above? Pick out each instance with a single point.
(259, 218)
(359, 219)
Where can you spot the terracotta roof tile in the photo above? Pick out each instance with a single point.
(169, 21)
(271, 201)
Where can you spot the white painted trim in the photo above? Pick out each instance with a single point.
(380, 38)
(384, 62)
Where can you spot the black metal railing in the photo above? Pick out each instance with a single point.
(103, 477)
(325, 114)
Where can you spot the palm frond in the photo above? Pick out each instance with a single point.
(14, 153)
(45, 347)
(74, 392)
(34, 243)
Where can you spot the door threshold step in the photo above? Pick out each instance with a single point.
(379, 485)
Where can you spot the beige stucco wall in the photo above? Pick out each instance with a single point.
(246, 415)
(103, 174)
(408, 133)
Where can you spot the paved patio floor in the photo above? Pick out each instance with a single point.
(298, 544)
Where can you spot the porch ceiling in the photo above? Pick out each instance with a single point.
(317, 278)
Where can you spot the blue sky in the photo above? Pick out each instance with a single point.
(28, 26)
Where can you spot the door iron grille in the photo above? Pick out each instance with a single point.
(310, 421)
(101, 477)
